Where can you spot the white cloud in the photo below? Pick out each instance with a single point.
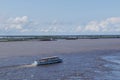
(78, 29)
(18, 20)
(113, 20)
(108, 25)
(17, 23)
(92, 26)
(51, 28)
(25, 25)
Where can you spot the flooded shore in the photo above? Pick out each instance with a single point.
(83, 59)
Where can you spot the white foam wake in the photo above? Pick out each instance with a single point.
(19, 66)
(27, 65)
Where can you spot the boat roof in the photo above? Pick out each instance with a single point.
(53, 57)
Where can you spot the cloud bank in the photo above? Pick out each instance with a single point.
(24, 25)
(107, 26)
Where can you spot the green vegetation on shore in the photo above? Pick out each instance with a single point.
(54, 37)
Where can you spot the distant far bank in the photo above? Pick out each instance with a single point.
(6, 38)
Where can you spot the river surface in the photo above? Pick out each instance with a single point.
(83, 59)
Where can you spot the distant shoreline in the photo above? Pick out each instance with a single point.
(5, 38)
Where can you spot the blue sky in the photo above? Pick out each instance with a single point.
(52, 17)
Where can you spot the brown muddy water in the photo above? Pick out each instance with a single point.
(83, 59)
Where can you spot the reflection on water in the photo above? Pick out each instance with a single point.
(114, 59)
(114, 65)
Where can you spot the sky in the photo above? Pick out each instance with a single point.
(59, 17)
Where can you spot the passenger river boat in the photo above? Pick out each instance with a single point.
(48, 60)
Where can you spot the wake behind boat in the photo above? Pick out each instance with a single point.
(48, 60)
(44, 61)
